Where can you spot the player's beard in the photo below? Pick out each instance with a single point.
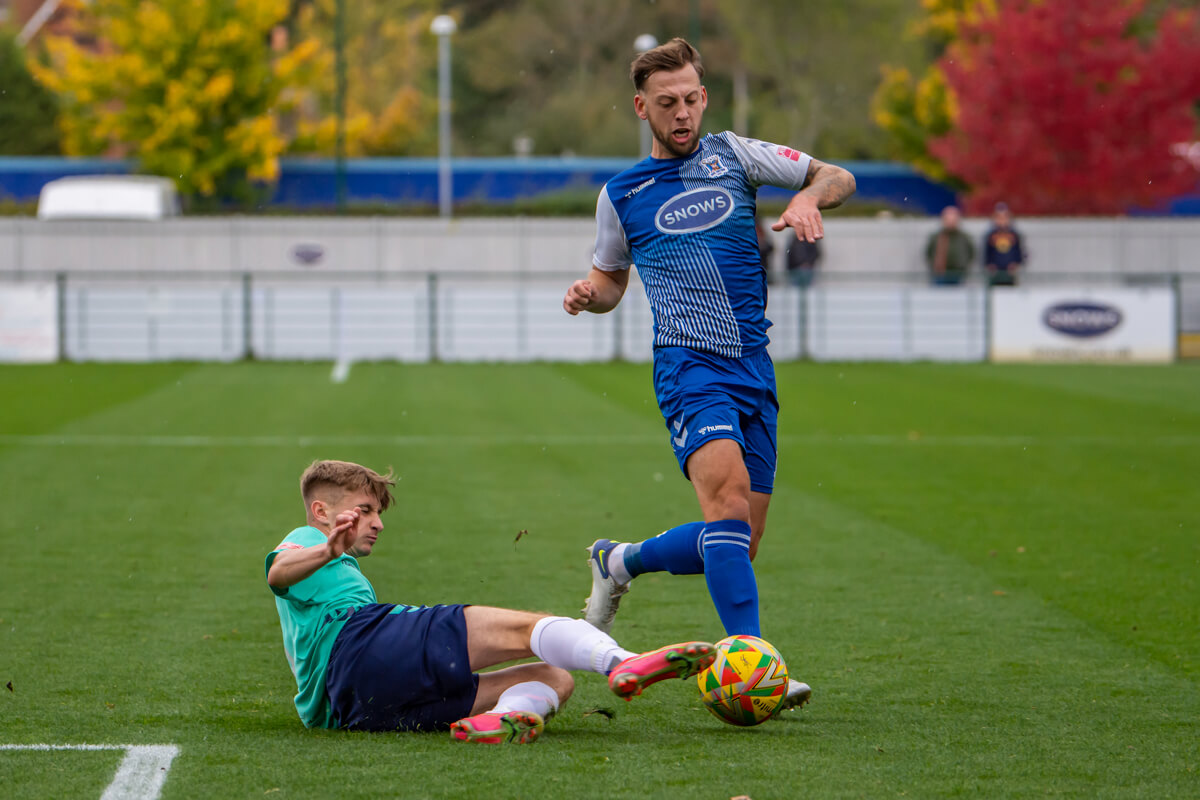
(674, 148)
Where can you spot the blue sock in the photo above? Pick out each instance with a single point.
(730, 576)
(676, 551)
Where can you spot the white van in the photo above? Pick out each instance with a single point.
(129, 197)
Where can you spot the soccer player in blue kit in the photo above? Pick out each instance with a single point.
(364, 665)
(685, 217)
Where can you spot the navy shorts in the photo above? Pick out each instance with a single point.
(704, 396)
(401, 668)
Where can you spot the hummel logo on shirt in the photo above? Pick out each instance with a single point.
(639, 187)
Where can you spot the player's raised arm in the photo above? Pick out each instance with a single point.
(292, 566)
(826, 186)
(599, 293)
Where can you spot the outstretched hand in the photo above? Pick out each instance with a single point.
(341, 536)
(804, 218)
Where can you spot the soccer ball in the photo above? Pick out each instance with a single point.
(747, 683)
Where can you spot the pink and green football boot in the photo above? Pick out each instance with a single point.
(630, 677)
(511, 727)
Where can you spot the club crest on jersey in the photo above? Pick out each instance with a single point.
(713, 166)
(694, 210)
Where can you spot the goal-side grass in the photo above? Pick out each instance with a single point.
(990, 575)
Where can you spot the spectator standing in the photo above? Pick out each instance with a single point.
(949, 251)
(1003, 253)
(802, 258)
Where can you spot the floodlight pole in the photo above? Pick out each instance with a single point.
(339, 148)
(640, 45)
(39, 18)
(444, 26)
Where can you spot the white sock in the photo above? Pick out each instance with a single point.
(616, 564)
(532, 696)
(574, 644)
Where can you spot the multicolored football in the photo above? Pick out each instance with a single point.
(747, 682)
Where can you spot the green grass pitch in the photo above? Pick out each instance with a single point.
(989, 574)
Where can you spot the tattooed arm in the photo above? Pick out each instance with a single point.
(830, 186)
(826, 186)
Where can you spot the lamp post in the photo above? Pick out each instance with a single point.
(339, 146)
(640, 45)
(444, 26)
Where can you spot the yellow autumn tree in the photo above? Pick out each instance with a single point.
(189, 89)
(914, 109)
(390, 59)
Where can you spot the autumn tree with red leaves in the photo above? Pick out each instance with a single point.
(1073, 106)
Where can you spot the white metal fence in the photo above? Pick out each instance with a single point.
(473, 317)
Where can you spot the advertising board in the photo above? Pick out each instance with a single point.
(28, 322)
(1083, 324)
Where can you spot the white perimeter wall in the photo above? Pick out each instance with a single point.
(534, 245)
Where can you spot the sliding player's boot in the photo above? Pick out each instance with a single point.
(683, 660)
(511, 727)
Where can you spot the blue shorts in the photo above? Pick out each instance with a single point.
(401, 668)
(704, 396)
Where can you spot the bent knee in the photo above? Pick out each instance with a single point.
(734, 506)
(558, 679)
(732, 501)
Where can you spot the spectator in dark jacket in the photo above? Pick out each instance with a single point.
(949, 252)
(1003, 254)
(802, 258)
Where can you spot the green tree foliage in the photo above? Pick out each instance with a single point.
(811, 66)
(913, 111)
(916, 108)
(209, 90)
(391, 102)
(188, 88)
(558, 71)
(27, 110)
(551, 71)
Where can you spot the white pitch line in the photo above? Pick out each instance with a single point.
(141, 775)
(567, 440)
(471, 440)
(66, 746)
(136, 440)
(341, 370)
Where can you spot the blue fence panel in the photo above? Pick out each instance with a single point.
(313, 183)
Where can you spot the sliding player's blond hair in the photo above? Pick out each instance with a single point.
(345, 476)
(675, 54)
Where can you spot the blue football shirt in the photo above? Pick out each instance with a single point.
(688, 225)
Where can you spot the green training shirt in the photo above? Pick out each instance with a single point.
(311, 613)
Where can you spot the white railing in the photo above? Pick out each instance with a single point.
(95, 316)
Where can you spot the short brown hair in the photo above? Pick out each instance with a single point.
(348, 477)
(675, 54)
